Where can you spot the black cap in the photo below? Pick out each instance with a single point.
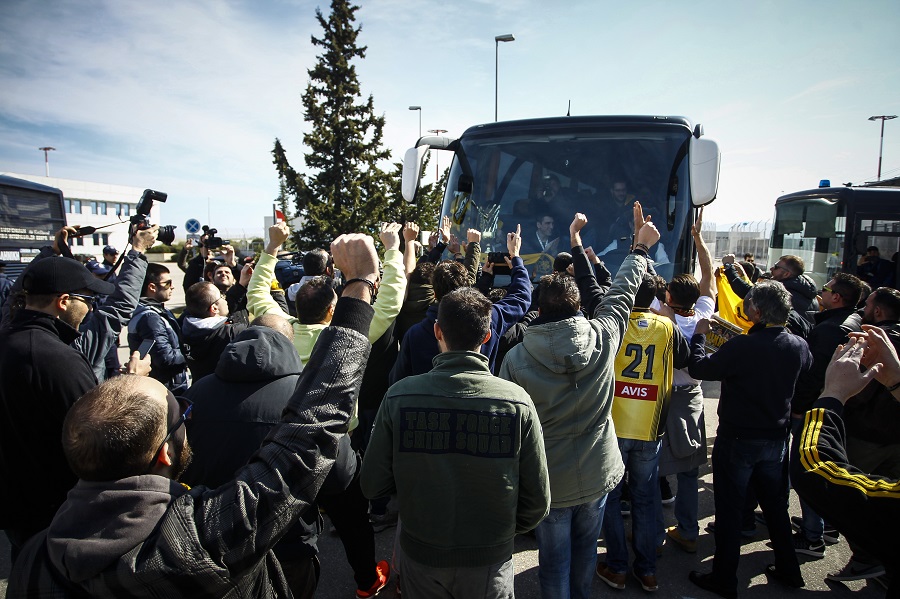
(62, 275)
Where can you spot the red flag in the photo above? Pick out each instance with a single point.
(279, 215)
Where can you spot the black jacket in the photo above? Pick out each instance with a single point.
(755, 402)
(830, 331)
(42, 376)
(863, 506)
(205, 339)
(803, 292)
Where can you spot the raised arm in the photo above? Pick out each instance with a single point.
(259, 296)
(473, 254)
(410, 236)
(704, 259)
(393, 284)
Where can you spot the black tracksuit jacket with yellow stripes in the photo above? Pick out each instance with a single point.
(864, 507)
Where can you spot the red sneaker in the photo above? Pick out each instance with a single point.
(383, 574)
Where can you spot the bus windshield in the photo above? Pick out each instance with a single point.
(540, 177)
(813, 229)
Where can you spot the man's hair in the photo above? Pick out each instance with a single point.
(562, 261)
(316, 262)
(421, 274)
(154, 272)
(794, 264)
(872, 248)
(112, 431)
(313, 299)
(684, 289)
(865, 290)
(464, 316)
(541, 215)
(848, 287)
(447, 276)
(559, 296)
(496, 294)
(749, 268)
(647, 291)
(200, 297)
(271, 320)
(772, 301)
(748, 257)
(888, 300)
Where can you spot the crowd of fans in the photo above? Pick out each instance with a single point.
(203, 465)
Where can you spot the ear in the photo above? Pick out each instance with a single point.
(62, 302)
(486, 338)
(438, 333)
(163, 459)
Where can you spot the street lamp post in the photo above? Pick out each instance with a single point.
(419, 108)
(497, 39)
(437, 172)
(881, 118)
(46, 150)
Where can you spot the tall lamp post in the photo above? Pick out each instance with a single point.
(46, 150)
(497, 39)
(437, 172)
(419, 108)
(881, 118)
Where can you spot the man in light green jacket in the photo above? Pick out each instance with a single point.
(565, 363)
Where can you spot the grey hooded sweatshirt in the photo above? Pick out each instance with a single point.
(566, 367)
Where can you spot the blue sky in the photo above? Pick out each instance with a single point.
(187, 97)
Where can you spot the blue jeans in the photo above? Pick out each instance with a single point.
(567, 549)
(686, 507)
(642, 465)
(760, 465)
(813, 524)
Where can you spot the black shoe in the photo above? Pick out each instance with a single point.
(794, 581)
(708, 583)
(665, 491)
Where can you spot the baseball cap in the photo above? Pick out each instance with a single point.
(62, 275)
(110, 250)
(96, 268)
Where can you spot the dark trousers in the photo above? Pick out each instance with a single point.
(760, 465)
(349, 512)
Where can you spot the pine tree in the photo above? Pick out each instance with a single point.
(345, 190)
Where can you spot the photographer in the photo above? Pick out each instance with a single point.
(194, 272)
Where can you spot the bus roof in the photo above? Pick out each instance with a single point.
(856, 194)
(625, 121)
(25, 184)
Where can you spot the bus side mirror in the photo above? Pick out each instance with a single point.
(705, 160)
(412, 171)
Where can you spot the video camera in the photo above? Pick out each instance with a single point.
(141, 220)
(210, 241)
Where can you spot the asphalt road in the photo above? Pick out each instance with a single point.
(336, 580)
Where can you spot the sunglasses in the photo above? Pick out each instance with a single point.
(186, 406)
(90, 300)
(826, 288)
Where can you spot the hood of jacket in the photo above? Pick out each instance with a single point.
(803, 285)
(102, 521)
(258, 354)
(562, 346)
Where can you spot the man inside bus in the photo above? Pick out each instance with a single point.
(873, 269)
(542, 240)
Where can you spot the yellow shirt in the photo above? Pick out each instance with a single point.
(643, 377)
